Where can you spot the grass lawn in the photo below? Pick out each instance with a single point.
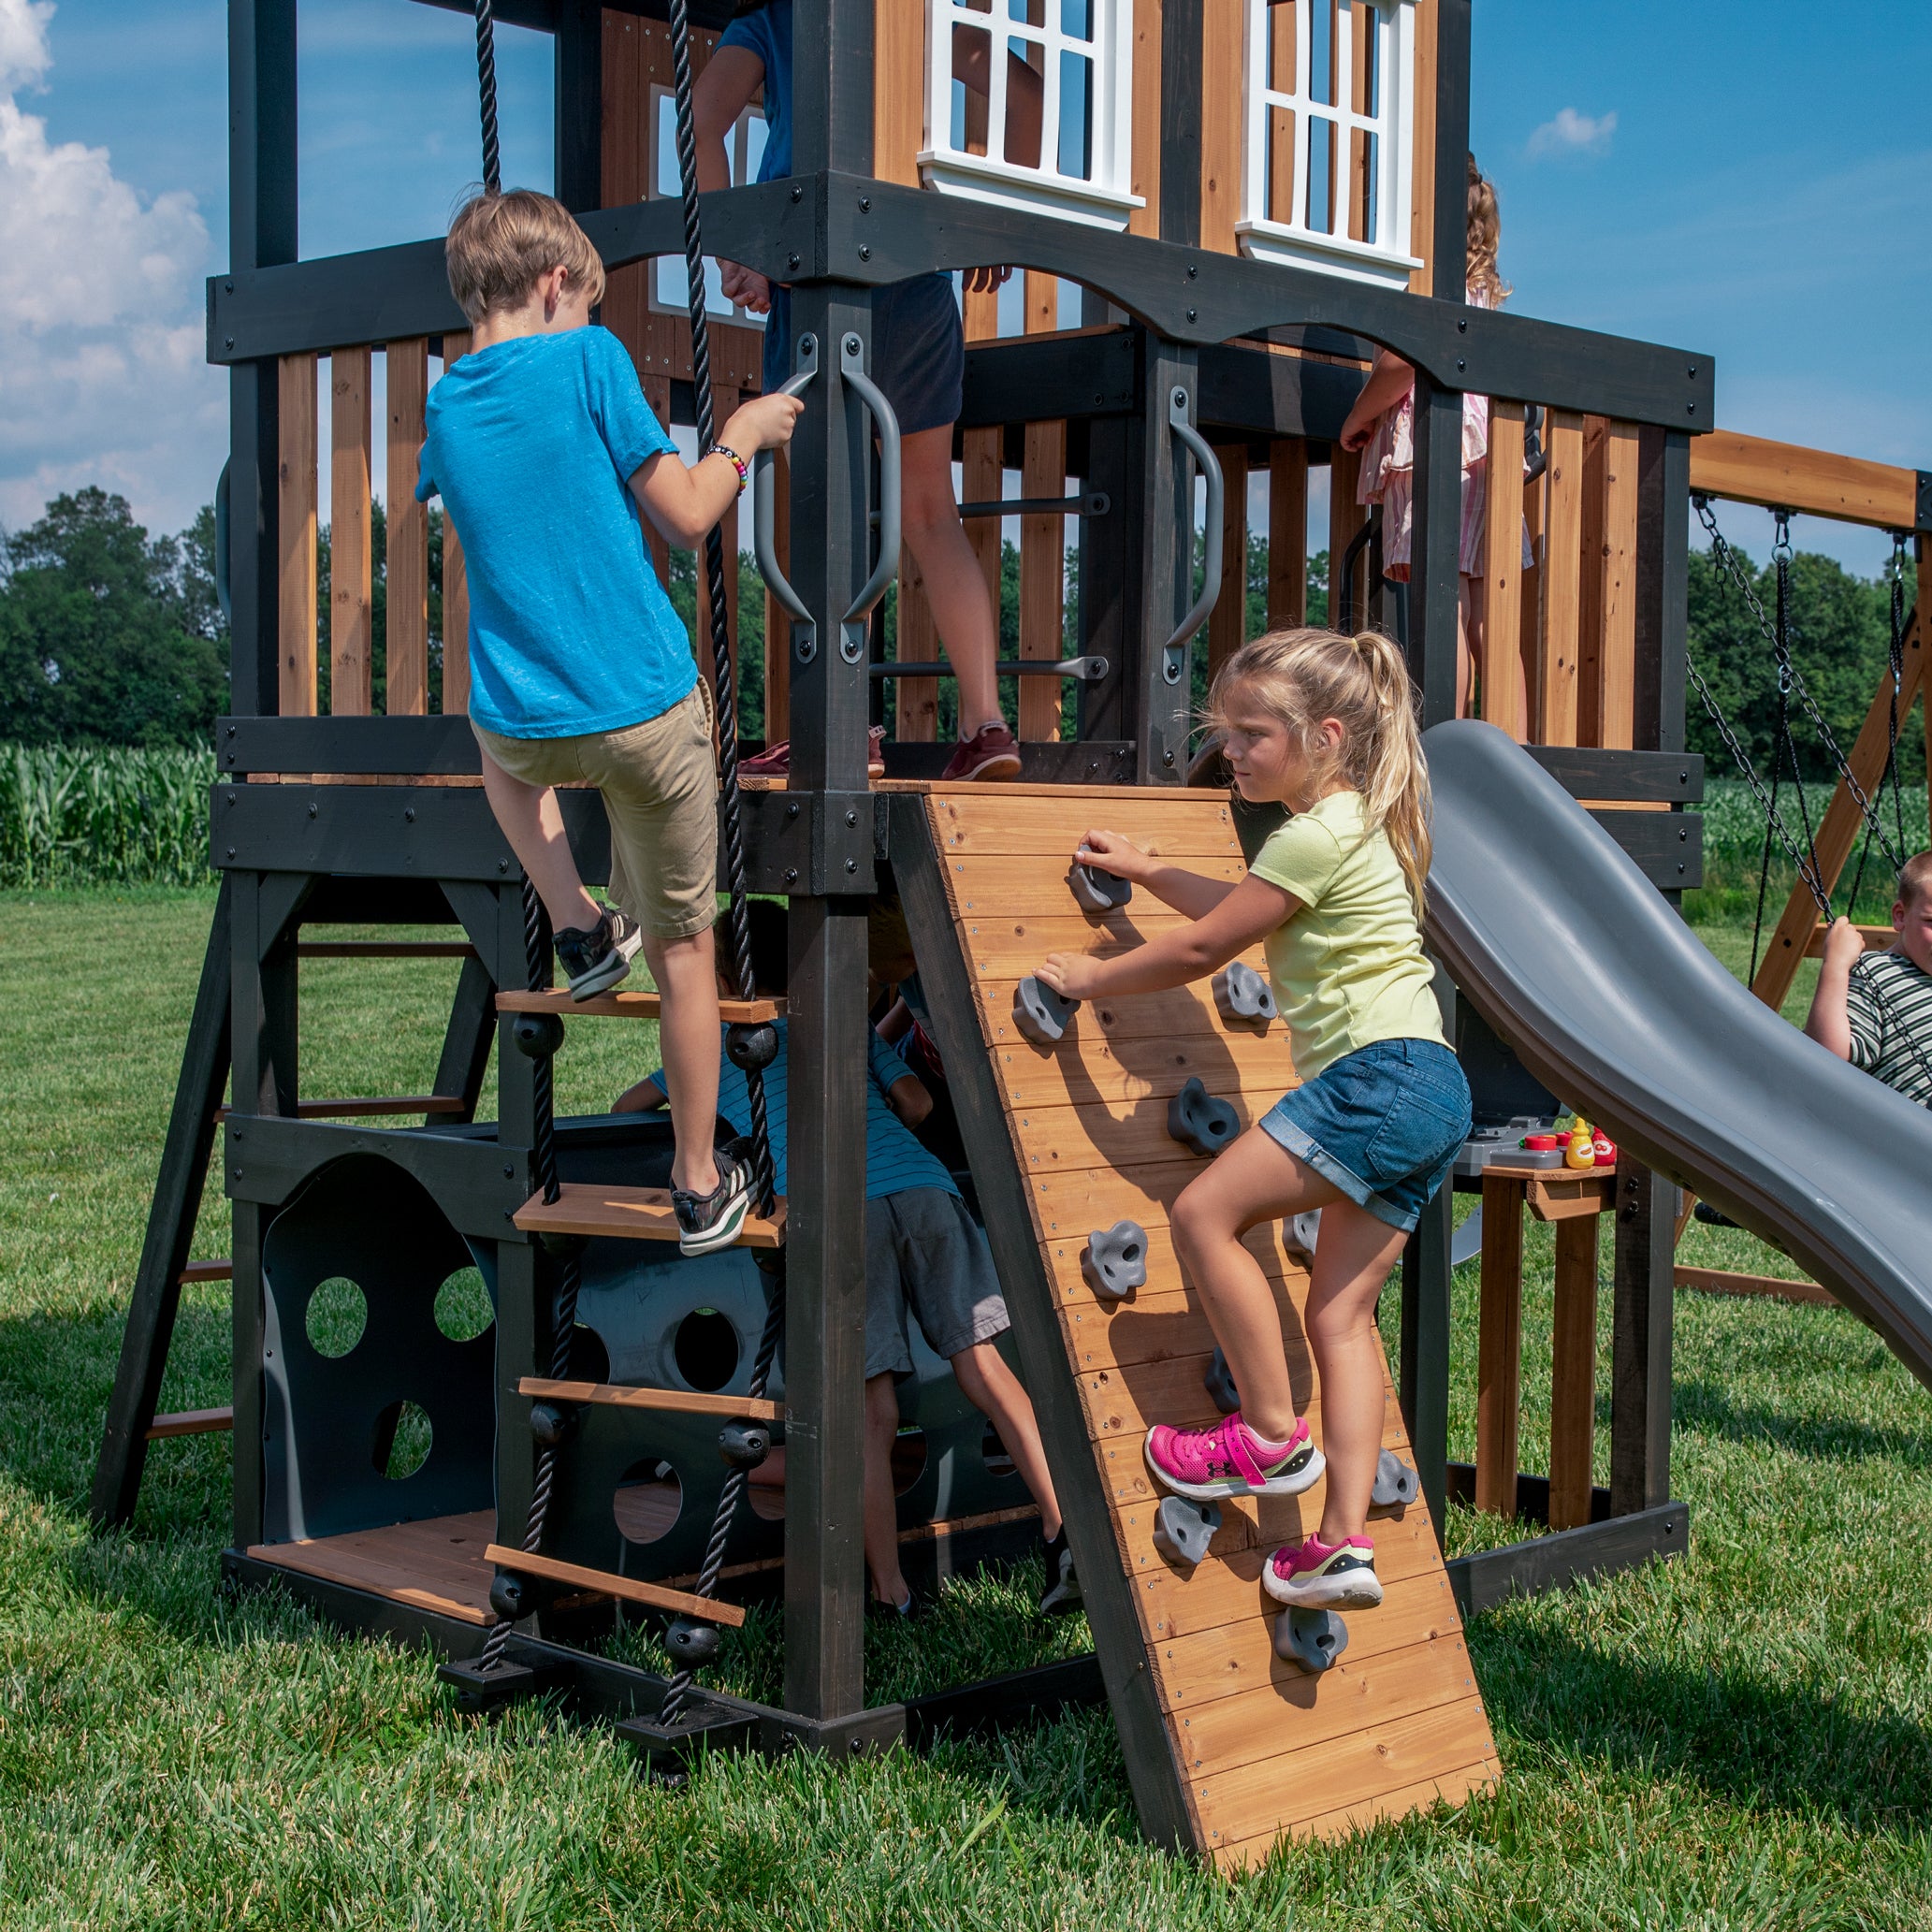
(1737, 1739)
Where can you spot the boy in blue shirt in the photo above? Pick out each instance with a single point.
(544, 450)
(923, 1249)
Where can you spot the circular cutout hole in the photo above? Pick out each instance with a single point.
(338, 1314)
(463, 1310)
(590, 1359)
(993, 1452)
(647, 1502)
(402, 1440)
(706, 1350)
(908, 1458)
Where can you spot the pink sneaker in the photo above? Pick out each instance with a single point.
(1319, 1576)
(776, 761)
(1228, 1459)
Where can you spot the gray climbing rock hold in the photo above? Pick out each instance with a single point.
(1040, 1013)
(1095, 890)
(1242, 997)
(1200, 1122)
(1219, 1380)
(1183, 1529)
(1395, 1481)
(1315, 1639)
(1115, 1260)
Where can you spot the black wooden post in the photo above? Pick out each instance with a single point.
(171, 1217)
(1663, 577)
(261, 233)
(577, 52)
(523, 1327)
(1113, 621)
(1166, 544)
(1449, 241)
(1640, 1381)
(466, 1040)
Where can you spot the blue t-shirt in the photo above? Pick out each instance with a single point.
(894, 1158)
(532, 444)
(767, 33)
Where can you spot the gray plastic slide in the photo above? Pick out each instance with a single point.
(1580, 963)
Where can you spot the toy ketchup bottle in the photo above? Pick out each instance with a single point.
(1605, 1149)
(1581, 1152)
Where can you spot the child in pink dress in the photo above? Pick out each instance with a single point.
(1382, 426)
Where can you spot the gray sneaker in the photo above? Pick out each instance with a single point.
(594, 960)
(1062, 1594)
(709, 1221)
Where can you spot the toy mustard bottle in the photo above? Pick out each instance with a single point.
(1581, 1152)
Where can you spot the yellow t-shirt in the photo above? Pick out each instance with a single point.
(1348, 969)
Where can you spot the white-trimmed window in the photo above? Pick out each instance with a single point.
(743, 149)
(1030, 103)
(1328, 135)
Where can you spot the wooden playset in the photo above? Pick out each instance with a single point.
(1233, 204)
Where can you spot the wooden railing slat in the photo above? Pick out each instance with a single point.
(1616, 660)
(295, 492)
(407, 646)
(351, 627)
(456, 585)
(1042, 539)
(1562, 575)
(1503, 574)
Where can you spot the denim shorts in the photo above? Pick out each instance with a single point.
(918, 351)
(924, 1252)
(1384, 1124)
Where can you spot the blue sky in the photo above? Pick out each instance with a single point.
(1731, 178)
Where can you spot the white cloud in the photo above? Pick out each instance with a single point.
(102, 372)
(1572, 133)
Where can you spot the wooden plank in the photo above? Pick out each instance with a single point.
(1616, 570)
(1786, 476)
(1719, 1281)
(1500, 1346)
(1562, 578)
(1503, 573)
(1287, 533)
(191, 1422)
(435, 1565)
(1573, 1374)
(1114, 1075)
(915, 641)
(1227, 623)
(222, 1270)
(1839, 828)
(297, 486)
(456, 585)
(710, 1609)
(1146, 157)
(1043, 540)
(1040, 885)
(1221, 122)
(1877, 938)
(898, 91)
(1422, 175)
(1281, 32)
(1124, 1403)
(621, 1394)
(1013, 826)
(407, 541)
(1345, 517)
(631, 1214)
(631, 1005)
(351, 552)
(1451, 1788)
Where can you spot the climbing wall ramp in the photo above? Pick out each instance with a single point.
(1230, 1745)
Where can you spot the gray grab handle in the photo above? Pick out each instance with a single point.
(804, 633)
(1174, 654)
(851, 367)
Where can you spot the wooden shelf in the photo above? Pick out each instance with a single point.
(683, 1401)
(1720, 1280)
(632, 1213)
(190, 1422)
(632, 1006)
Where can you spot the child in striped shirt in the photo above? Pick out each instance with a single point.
(1875, 1009)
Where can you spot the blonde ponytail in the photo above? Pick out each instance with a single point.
(1485, 234)
(1363, 682)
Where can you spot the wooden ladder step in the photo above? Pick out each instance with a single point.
(607, 1583)
(631, 1005)
(370, 1107)
(683, 1401)
(632, 1213)
(221, 1269)
(191, 1422)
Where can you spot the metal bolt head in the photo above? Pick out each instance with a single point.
(314, 809)
(865, 204)
(409, 815)
(798, 194)
(852, 345)
(792, 874)
(1460, 364)
(231, 852)
(1463, 326)
(230, 340)
(503, 865)
(1193, 270)
(864, 252)
(791, 260)
(1166, 758)
(851, 818)
(851, 864)
(1190, 315)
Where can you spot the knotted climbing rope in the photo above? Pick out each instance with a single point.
(750, 1047)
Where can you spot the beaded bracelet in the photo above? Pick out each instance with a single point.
(736, 461)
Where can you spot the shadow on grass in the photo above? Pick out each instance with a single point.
(1708, 1408)
(1757, 1742)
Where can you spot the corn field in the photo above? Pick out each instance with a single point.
(74, 816)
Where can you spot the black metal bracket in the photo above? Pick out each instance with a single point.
(826, 844)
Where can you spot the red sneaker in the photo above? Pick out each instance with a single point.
(989, 754)
(775, 760)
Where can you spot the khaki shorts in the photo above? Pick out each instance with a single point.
(659, 780)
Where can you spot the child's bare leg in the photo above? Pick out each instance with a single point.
(686, 973)
(1351, 1263)
(1464, 614)
(1253, 1181)
(995, 1392)
(532, 822)
(881, 1530)
(955, 587)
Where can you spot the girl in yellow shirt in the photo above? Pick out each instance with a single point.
(1325, 725)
